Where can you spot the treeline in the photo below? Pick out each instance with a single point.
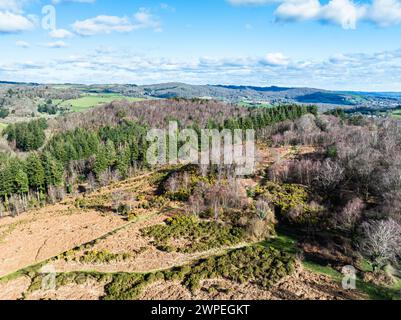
(93, 156)
(51, 108)
(48, 108)
(27, 136)
(263, 117)
(83, 155)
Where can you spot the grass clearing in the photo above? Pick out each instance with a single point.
(373, 291)
(91, 101)
(282, 243)
(288, 244)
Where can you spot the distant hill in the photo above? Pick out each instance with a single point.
(251, 95)
(325, 97)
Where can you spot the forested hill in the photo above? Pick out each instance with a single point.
(253, 94)
(227, 93)
(107, 143)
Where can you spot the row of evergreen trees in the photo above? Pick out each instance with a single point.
(263, 117)
(87, 154)
(27, 136)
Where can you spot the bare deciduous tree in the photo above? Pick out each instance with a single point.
(330, 175)
(381, 241)
(351, 214)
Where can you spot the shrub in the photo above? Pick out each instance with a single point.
(197, 234)
(291, 202)
(259, 265)
(103, 256)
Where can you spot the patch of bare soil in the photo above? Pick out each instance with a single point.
(90, 290)
(47, 232)
(14, 289)
(302, 285)
(267, 156)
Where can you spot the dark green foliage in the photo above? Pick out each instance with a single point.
(332, 151)
(103, 256)
(258, 265)
(35, 171)
(340, 113)
(199, 235)
(79, 144)
(13, 178)
(63, 279)
(3, 113)
(48, 108)
(53, 170)
(28, 136)
(125, 286)
(263, 117)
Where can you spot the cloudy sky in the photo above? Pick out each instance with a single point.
(331, 44)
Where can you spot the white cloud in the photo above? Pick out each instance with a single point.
(56, 45)
(276, 59)
(143, 19)
(298, 9)
(12, 17)
(345, 13)
(341, 12)
(60, 34)
(378, 71)
(14, 23)
(22, 44)
(102, 24)
(385, 12)
(12, 5)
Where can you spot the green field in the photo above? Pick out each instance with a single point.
(248, 104)
(397, 114)
(91, 101)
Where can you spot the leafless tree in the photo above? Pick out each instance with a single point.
(381, 241)
(330, 174)
(351, 214)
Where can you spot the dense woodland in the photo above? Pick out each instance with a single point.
(110, 151)
(353, 180)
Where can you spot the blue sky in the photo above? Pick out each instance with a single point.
(331, 44)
